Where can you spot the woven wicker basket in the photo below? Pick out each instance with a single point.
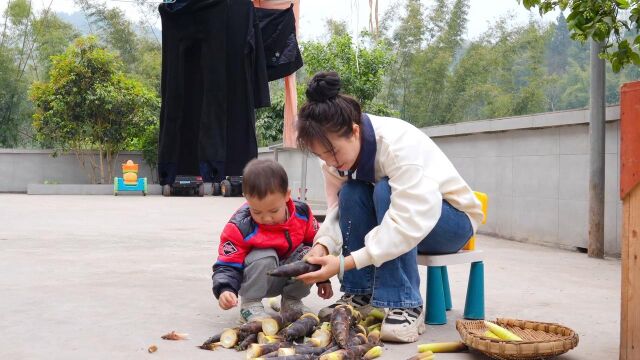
(540, 340)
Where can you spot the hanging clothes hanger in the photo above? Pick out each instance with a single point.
(147, 2)
(258, 3)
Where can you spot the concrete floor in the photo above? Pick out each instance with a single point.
(103, 277)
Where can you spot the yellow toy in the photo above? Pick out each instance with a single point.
(129, 180)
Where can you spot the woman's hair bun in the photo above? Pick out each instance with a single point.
(323, 86)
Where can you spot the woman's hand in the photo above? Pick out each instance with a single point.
(330, 267)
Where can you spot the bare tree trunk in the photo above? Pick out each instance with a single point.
(35, 68)
(21, 66)
(45, 14)
(395, 77)
(145, 19)
(403, 107)
(112, 162)
(101, 164)
(21, 58)
(24, 44)
(4, 28)
(373, 18)
(377, 21)
(94, 167)
(115, 163)
(80, 155)
(109, 164)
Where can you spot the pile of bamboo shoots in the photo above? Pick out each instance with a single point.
(295, 336)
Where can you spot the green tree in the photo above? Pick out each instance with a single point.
(361, 68)
(406, 42)
(557, 60)
(336, 28)
(27, 41)
(51, 37)
(500, 74)
(603, 21)
(18, 12)
(456, 25)
(142, 55)
(114, 29)
(12, 100)
(510, 70)
(437, 19)
(388, 21)
(470, 87)
(570, 89)
(149, 67)
(147, 143)
(557, 50)
(15, 53)
(89, 104)
(575, 85)
(270, 120)
(431, 71)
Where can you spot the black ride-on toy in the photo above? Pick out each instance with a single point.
(185, 185)
(230, 186)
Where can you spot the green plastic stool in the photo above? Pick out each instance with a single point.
(438, 294)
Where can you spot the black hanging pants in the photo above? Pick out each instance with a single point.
(213, 77)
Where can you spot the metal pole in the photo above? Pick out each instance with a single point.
(596, 153)
(303, 177)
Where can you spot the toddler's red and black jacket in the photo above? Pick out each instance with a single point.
(242, 234)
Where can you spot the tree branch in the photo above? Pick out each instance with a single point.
(4, 28)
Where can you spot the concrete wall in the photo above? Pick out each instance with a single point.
(534, 168)
(293, 160)
(537, 175)
(18, 168)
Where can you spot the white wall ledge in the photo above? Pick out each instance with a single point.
(534, 121)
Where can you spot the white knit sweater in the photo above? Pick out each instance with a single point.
(420, 176)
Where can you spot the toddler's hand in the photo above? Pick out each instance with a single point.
(325, 290)
(317, 250)
(227, 300)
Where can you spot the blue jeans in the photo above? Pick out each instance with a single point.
(396, 283)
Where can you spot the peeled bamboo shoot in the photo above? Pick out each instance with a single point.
(501, 332)
(352, 353)
(271, 326)
(443, 347)
(373, 353)
(427, 355)
(489, 334)
(229, 338)
(257, 350)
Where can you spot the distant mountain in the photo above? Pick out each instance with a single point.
(79, 21)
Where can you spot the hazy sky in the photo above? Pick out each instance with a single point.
(313, 13)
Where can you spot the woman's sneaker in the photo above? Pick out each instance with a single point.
(252, 310)
(359, 302)
(403, 325)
